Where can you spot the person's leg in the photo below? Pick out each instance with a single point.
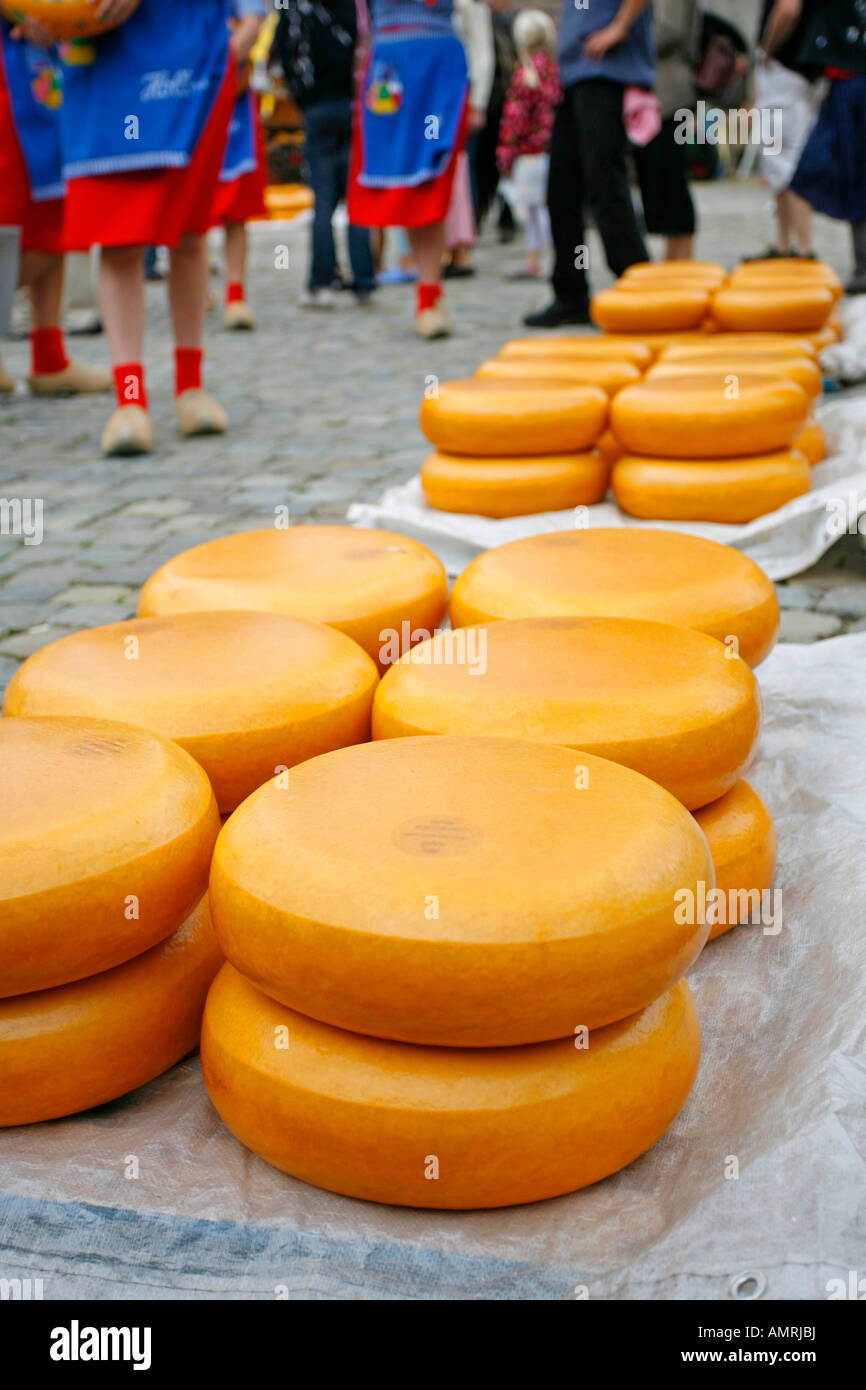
(121, 302)
(565, 208)
(598, 107)
(360, 249)
(534, 238)
(320, 153)
(800, 215)
(197, 411)
(428, 248)
(680, 248)
(237, 313)
(52, 371)
(782, 242)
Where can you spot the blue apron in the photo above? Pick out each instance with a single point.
(414, 95)
(35, 95)
(140, 96)
(241, 156)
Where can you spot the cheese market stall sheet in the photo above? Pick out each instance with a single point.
(151, 1197)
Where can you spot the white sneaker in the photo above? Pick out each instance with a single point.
(320, 298)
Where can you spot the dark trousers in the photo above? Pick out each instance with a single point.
(588, 149)
(328, 143)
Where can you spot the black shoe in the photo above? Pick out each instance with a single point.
(557, 314)
(857, 283)
(457, 272)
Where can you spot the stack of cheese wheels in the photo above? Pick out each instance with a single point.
(759, 352)
(368, 584)
(713, 441)
(508, 444)
(106, 945)
(247, 694)
(632, 700)
(467, 992)
(659, 297)
(786, 295)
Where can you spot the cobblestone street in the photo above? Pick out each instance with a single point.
(324, 413)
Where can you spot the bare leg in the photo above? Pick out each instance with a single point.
(43, 275)
(801, 220)
(236, 252)
(121, 301)
(679, 248)
(187, 290)
(783, 223)
(428, 248)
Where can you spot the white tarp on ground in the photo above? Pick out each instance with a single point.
(781, 1088)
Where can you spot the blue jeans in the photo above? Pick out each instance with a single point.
(329, 141)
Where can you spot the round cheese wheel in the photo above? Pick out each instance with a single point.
(245, 693)
(729, 491)
(660, 342)
(699, 270)
(822, 338)
(777, 284)
(447, 1128)
(363, 582)
(665, 701)
(811, 442)
(693, 417)
(742, 841)
(608, 373)
(790, 309)
(592, 346)
(466, 892)
(67, 19)
(623, 573)
(514, 487)
(609, 447)
(649, 310)
(66, 1049)
(740, 345)
(106, 834)
(803, 371)
(789, 268)
(488, 418)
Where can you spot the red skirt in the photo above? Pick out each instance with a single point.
(41, 223)
(155, 207)
(417, 206)
(243, 198)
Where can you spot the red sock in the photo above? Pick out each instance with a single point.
(47, 350)
(129, 384)
(235, 292)
(428, 295)
(187, 369)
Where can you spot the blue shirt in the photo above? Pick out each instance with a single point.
(632, 63)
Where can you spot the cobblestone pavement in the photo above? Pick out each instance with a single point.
(324, 412)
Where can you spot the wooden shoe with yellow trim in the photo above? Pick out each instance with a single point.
(198, 412)
(128, 431)
(76, 379)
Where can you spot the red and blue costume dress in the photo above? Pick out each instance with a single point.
(31, 179)
(410, 120)
(144, 125)
(240, 193)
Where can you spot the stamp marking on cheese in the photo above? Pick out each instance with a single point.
(437, 836)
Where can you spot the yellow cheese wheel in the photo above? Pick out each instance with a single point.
(696, 417)
(66, 1049)
(608, 373)
(790, 309)
(447, 1128)
(361, 581)
(789, 268)
(778, 284)
(728, 490)
(106, 834)
(590, 346)
(66, 19)
(660, 342)
(699, 270)
(742, 841)
(502, 487)
(524, 417)
(649, 310)
(609, 447)
(740, 345)
(244, 693)
(823, 337)
(803, 371)
(623, 573)
(466, 892)
(666, 701)
(811, 442)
